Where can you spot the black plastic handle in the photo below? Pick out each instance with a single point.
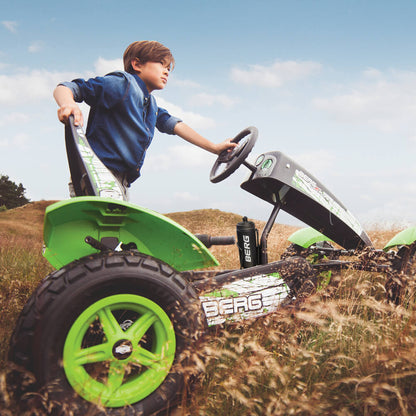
(209, 241)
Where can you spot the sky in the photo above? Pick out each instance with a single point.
(332, 84)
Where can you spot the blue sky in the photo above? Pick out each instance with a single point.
(330, 83)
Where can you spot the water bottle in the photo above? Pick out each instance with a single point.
(247, 243)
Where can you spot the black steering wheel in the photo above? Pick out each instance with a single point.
(232, 160)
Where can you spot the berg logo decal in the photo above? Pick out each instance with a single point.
(229, 306)
(249, 297)
(247, 251)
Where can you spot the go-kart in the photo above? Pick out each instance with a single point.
(133, 290)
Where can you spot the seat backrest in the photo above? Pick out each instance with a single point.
(90, 177)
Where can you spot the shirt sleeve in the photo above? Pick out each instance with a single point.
(106, 91)
(165, 122)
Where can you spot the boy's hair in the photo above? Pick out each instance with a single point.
(147, 51)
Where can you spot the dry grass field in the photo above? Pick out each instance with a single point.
(346, 351)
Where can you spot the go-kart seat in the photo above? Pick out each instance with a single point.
(88, 174)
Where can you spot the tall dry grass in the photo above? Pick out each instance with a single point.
(345, 351)
(22, 266)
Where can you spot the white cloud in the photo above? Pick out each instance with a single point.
(30, 86)
(317, 162)
(196, 121)
(21, 141)
(385, 101)
(104, 66)
(184, 155)
(376, 197)
(13, 118)
(35, 47)
(27, 86)
(11, 26)
(204, 99)
(183, 82)
(276, 74)
(390, 214)
(185, 196)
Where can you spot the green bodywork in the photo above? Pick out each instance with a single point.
(305, 237)
(68, 222)
(405, 237)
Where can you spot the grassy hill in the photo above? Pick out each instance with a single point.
(345, 352)
(22, 266)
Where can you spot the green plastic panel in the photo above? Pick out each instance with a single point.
(68, 222)
(405, 237)
(305, 237)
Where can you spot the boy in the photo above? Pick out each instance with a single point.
(123, 112)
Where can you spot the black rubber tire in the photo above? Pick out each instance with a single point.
(38, 340)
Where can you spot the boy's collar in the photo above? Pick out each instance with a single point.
(142, 85)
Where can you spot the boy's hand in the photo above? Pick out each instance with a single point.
(67, 106)
(70, 109)
(227, 145)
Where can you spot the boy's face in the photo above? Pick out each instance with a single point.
(154, 74)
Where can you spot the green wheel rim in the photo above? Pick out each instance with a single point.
(119, 350)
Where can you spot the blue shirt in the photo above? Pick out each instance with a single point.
(122, 119)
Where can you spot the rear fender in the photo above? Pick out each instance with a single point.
(69, 222)
(305, 237)
(403, 238)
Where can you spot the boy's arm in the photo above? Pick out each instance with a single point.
(191, 136)
(67, 105)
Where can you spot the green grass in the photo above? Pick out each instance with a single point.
(345, 351)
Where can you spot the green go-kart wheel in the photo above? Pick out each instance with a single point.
(119, 350)
(104, 334)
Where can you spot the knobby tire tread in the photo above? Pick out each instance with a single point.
(66, 280)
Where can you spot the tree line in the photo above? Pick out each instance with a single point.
(12, 195)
